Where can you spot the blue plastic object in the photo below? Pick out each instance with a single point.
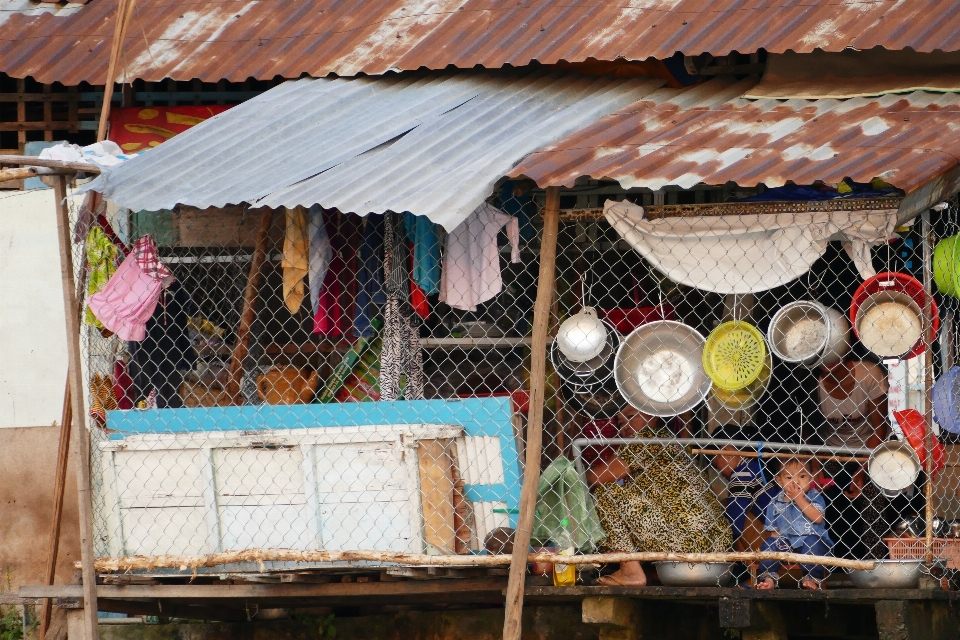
(946, 400)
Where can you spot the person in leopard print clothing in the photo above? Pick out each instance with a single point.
(654, 498)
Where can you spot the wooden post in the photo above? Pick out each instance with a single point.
(248, 313)
(124, 11)
(927, 232)
(538, 362)
(81, 437)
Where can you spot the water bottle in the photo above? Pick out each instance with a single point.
(565, 575)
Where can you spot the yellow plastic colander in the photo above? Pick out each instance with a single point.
(734, 355)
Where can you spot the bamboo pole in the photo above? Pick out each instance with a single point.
(538, 363)
(34, 161)
(124, 11)
(261, 556)
(248, 313)
(81, 437)
(928, 378)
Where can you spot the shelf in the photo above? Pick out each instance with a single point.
(474, 343)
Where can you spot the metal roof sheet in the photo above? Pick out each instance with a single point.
(433, 144)
(240, 39)
(709, 135)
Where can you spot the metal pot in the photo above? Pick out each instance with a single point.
(695, 574)
(837, 344)
(889, 574)
(582, 336)
(893, 465)
(798, 332)
(894, 336)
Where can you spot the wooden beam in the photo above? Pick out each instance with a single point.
(81, 437)
(538, 361)
(33, 161)
(935, 190)
(124, 11)
(248, 312)
(44, 125)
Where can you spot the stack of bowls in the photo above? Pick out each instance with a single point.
(583, 356)
(659, 368)
(887, 315)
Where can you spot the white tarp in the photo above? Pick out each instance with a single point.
(748, 253)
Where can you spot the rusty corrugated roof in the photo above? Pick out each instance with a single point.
(240, 39)
(708, 134)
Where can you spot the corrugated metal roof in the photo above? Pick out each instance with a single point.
(708, 135)
(433, 145)
(239, 39)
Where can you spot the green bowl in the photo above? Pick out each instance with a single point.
(946, 266)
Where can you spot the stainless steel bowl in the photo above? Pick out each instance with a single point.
(695, 574)
(659, 368)
(582, 336)
(798, 332)
(893, 465)
(838, 338)
(586, 376)
(889, 574)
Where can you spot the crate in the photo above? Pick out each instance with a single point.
(915, 548)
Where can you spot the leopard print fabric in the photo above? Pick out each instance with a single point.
(665, 504)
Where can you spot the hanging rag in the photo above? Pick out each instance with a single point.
(321, 252)
(122, 385)
(370, 290)
(425, 236)
(335, 309)
(748, 253)
(471, 260)
(562, 494)
(295, 258)
(101, 264)
(401, 360)
(130, 297)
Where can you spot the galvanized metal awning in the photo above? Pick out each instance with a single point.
(433, 144)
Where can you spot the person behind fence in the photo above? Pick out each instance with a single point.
(795, 518)
(747, 487)
(652, 497)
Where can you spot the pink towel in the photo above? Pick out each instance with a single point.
(127, 301)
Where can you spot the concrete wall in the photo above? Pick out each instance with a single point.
(28, 458)
(33, 352)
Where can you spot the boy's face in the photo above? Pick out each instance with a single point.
(726, 464)
(795, 475)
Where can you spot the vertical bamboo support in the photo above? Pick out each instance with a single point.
(124, 11)
(927, 232)
(538, 362)
(81, 437)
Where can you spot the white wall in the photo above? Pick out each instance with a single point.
(33, 352)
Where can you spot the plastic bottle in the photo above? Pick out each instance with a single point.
(565, 575)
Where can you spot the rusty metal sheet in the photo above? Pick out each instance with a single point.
(239, 39)
(710, 135)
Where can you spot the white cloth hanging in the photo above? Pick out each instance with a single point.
(471, 259)
(752, 252)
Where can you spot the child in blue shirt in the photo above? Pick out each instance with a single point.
(795, 517)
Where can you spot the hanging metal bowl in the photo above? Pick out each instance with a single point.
(589, 374)
(582, 336)
(659, 368)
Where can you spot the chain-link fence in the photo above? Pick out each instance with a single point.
(268, 385)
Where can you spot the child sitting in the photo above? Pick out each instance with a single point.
(746, 485)
(795, 517)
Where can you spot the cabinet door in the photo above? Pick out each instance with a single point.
(367, 494)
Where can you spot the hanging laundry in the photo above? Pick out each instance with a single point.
(295, 258)
(471, 260)
(425, 236)
(401, 359)
(159, 360)
(122, 385)
(369, 276)
(129, 298)
(321, 252)
(101, 264)
(340, 284)
(516, 198)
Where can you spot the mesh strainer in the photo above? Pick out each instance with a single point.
(734, 355)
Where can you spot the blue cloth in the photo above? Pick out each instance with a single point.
(519, 205)
(425, 236)
(784, 517)
(369, 276)
(806, 192)
(812, 545)
(747, 495)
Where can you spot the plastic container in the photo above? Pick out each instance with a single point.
(946, 400)
(734, 355)
(626, 319)
(913, 426)
(565, 575)
(947, 549)
(897, 288)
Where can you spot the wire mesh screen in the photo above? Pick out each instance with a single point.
(268, 383)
